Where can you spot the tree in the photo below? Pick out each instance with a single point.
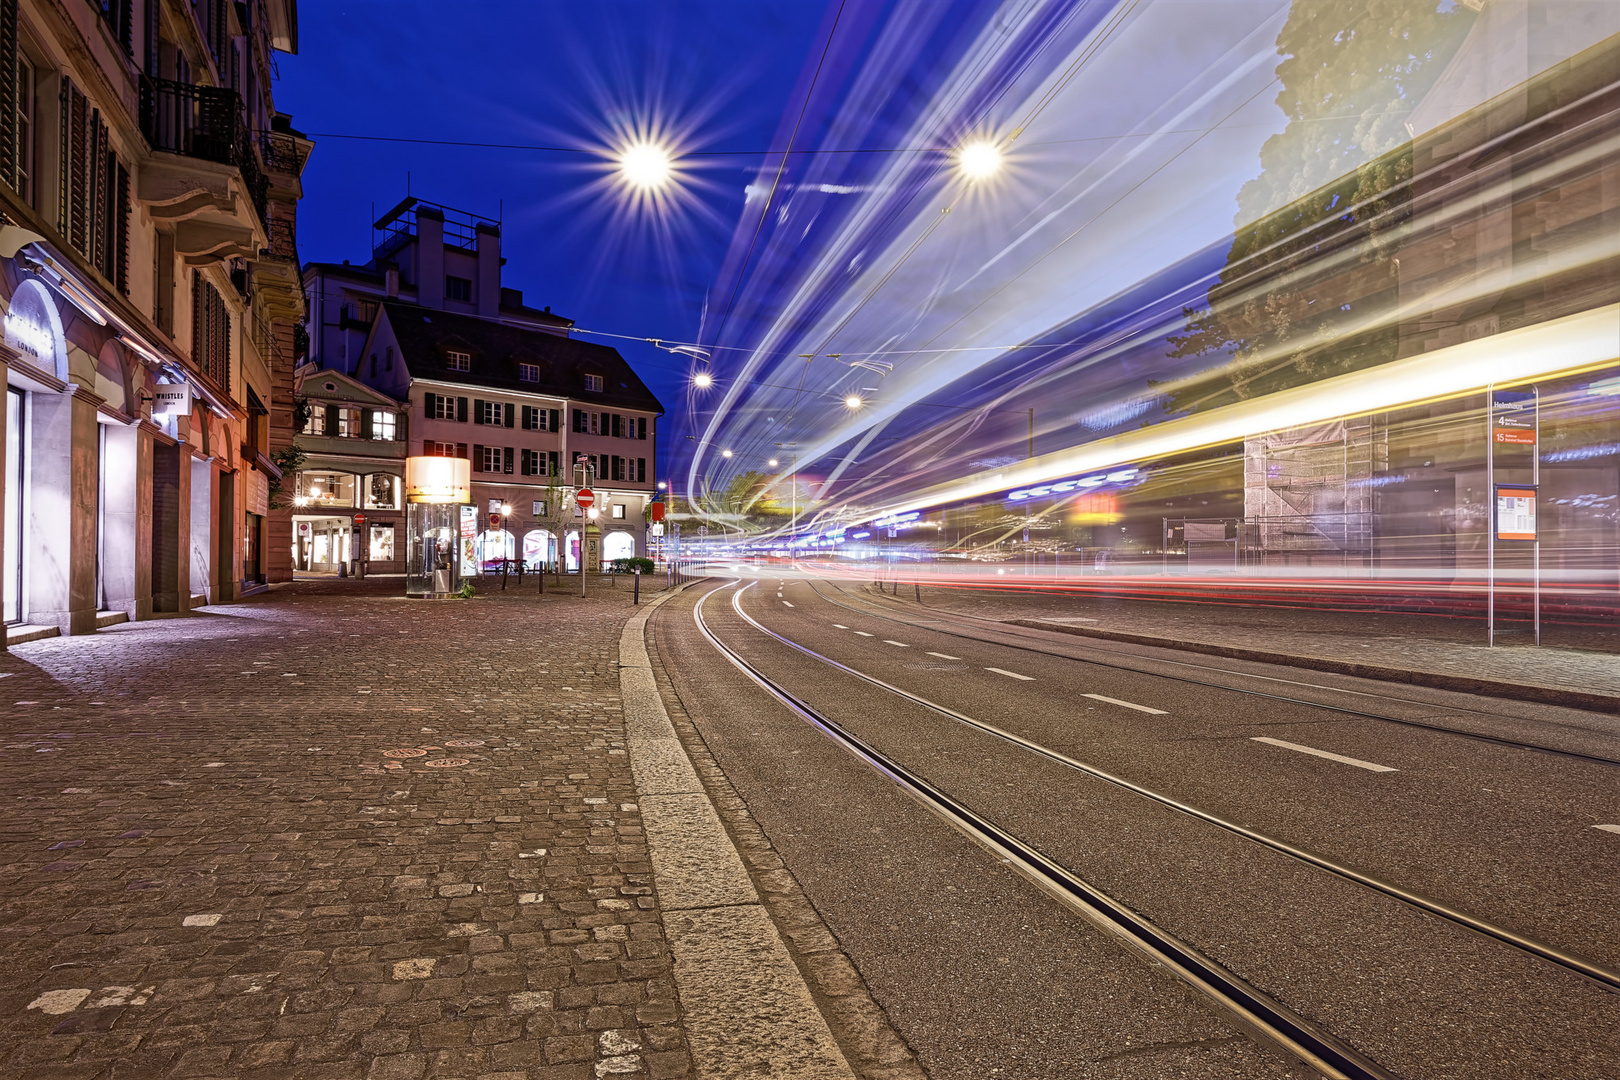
(1311, 272)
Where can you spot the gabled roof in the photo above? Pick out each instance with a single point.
(310, 382)
(426, 335)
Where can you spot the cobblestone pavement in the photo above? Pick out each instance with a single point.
(1575, 657)
(330, 833)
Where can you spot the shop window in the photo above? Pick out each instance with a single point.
(381, 548)
(529, 372)
(325, 489)
(458, 361)
(382, 492)
(382, 425)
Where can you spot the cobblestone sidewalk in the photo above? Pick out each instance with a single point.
(330, 833)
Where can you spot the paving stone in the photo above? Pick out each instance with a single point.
(252, 888)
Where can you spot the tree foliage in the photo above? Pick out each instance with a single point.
(1311, 268)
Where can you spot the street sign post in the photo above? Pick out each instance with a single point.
(1512, 418)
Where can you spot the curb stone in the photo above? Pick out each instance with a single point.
(1544, 695)
(747, 1009)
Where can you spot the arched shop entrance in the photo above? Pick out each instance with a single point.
(618, 545)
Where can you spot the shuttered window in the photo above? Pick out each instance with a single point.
(210, 332)
(94, 209)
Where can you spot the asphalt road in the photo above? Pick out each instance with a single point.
(981, 972)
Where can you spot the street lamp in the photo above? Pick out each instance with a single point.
(725, 453)
(703, 380)
(852, 402)
(646, 166)
(979, 160)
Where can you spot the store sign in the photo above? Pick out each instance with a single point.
(1513, 417)
(438, 480)
(468, 538)
(1515, 512)
(34, 328)
(171, 399)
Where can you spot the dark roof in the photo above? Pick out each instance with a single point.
(426, 334)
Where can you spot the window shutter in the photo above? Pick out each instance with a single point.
(641, 429)
(461, 410)
(641, 470)
(579, 421)
(556, 419)
(478, 411)
(551, 456)
(121, 231)
(461, 450)
(331, 419)
(508, 460)
(428, 404)
(511, 410)
(152, 37)
(616, 424)
(478, 457)
(366, 422)
(8, 92)
(126, 27)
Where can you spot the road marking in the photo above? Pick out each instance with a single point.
(839, 626)
(902, 644)
(1608, 828)
(786, 603)
(1357, 762)
(1126, 704)
(942, 656)
(863, 633)
(1011, 674)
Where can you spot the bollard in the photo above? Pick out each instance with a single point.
(636, 599)
(504, 564)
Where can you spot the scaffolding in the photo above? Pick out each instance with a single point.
(1309, 493)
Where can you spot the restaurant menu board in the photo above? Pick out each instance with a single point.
(468, 539)
(1515, 512)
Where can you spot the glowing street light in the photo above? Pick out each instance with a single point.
(771, 463)
(646, 166)
(979, 160)
(853, 402)
(725, 453)
(703, 380)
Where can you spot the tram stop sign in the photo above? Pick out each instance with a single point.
(585, 498)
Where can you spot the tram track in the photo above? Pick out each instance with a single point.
(1497, 740)
(1253, 1011)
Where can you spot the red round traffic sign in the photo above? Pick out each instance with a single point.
(585, 498)
(359, 519)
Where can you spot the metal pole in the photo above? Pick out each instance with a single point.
(1490, 516)
(636, 597)
(1535, 481)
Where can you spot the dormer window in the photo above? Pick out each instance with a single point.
(458, 288)
(593, 383)
(460, 361)
(528, 372)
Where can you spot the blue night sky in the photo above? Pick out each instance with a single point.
(551, 73)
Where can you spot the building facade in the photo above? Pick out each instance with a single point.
(148, 275)
(477, 374)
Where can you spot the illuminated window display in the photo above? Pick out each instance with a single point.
(382, 543)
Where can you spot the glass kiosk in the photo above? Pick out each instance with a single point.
(438, 494)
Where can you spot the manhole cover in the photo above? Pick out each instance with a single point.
(464, 742)
(411, 752)
(445, 762)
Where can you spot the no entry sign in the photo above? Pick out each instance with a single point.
(585, 498)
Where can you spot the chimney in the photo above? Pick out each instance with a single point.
(430, 257)
(488, 245)
(391, 278)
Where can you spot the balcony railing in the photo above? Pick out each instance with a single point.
(283, 239)
(280, 152)
(204, 122)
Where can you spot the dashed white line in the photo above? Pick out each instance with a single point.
(1126, 704)
(863, 633)
(1608, 828)
(1011, 674)
(1357, 762)
(786, 604)
(943, 656)
(902, 644)
(839, 626)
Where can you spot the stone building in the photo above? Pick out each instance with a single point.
(480, 375)
(148, 273)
